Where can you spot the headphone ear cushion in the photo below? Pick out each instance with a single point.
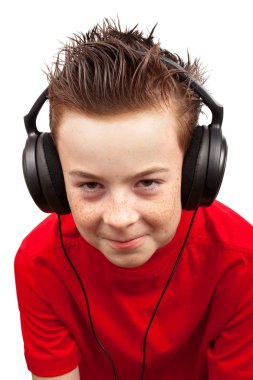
(51, 175)
(216, 166)
(195, 168)
(31, 175)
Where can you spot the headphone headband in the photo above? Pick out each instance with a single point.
(208, 100)
(30, 118)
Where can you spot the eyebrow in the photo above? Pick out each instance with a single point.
(153, 170)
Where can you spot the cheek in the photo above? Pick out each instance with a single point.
(164, 214)
(84, 213)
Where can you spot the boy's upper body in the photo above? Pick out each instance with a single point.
(202, 329)
(97, 274)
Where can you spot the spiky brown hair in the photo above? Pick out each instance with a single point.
(107, 71)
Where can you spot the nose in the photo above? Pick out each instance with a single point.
(120, 212)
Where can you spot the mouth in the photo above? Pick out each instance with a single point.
(133, 243)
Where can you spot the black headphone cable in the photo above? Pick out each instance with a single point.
(163, 292)
(156, 306)
(86, 300)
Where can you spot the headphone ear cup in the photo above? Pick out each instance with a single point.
(30, 172)
(195, 169)
(216, 166)
(51, 176)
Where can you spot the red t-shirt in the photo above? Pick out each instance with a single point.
(203, 328)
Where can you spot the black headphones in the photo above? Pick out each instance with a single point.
(202, 172)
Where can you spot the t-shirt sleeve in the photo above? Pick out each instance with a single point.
(231, 355)
(50, 350)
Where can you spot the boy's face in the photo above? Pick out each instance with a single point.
(123, 181)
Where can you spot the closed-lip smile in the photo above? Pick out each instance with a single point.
(133, 243)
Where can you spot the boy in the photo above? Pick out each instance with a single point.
(134, 283)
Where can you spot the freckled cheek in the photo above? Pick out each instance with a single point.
(161, 213)
(164, 214)
(86, 215)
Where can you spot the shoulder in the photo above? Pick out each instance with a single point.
(220, 251)
(221, 226)
(45, 236)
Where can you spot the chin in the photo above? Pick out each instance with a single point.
(128, 260)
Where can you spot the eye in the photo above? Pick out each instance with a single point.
(90, 187)
(148, 184)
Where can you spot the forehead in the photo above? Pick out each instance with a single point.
(135, 138)
(128, 124)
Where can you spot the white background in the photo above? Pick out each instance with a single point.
(219, 32)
